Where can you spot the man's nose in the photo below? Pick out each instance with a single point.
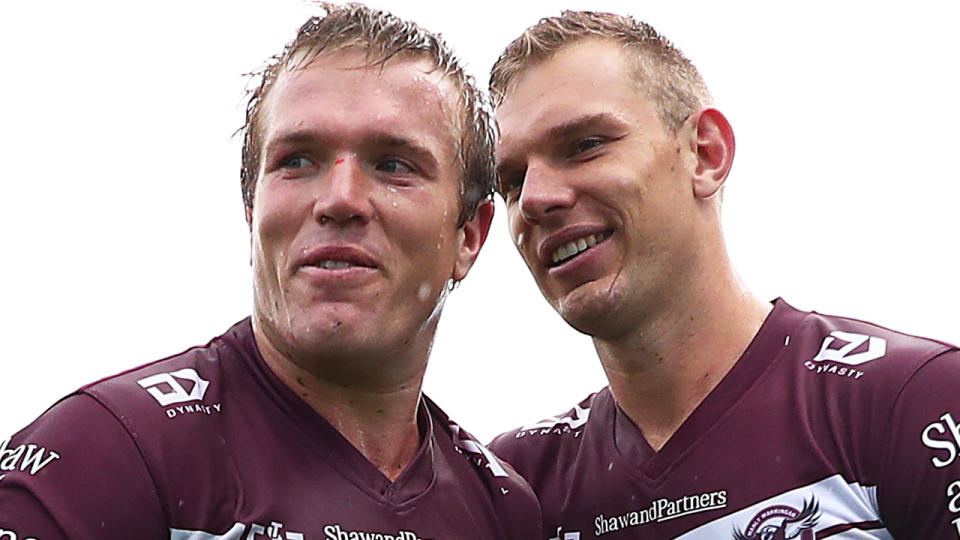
(545, 192)
(343, 193)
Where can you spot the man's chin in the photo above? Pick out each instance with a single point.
(315, 331)
(334, 336)
(589, 309)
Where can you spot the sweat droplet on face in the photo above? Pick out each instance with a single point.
(519, 239)
(423, 293)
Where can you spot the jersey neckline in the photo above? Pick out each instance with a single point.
(763, 351)
(321, 438)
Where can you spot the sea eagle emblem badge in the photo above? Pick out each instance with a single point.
(782, 522)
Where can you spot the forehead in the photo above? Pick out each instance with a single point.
(587, 79)
(337, 93)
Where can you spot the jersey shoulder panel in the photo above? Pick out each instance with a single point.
(183, 378)
(175, 411)
(514, 506)
(75, 472)
(855, 367)
(466, 444)
(848, 375)
(827, 341)
(553, 440)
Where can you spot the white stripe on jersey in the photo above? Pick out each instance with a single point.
(235, 533)
(840, 504)
(474, 447)
(579, 418)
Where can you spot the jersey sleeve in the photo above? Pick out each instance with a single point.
(76, 473)
(918, 489)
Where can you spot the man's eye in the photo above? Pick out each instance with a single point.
(394, 166)
(296, 162)
(585, 145)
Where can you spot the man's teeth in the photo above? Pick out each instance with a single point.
(335, 264)
(577, 246)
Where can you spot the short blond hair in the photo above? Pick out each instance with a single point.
(381, 36)
(670, 79)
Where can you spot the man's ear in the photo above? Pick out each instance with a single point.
(714, 147)
(473, 235)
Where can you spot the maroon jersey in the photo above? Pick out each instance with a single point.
(826, 427)
(210, 445)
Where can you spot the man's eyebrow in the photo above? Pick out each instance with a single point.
(290, 139)
(426, 157)
(566, 129)
(393, 140)
(580, 123)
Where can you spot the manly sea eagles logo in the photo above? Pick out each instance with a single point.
(782, 522)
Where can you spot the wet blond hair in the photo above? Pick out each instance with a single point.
(381, 36)
(669, 78)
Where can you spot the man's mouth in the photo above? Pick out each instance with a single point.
(337, 258)
(576, 247)
(332, 265)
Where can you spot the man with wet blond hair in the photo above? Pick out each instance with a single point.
(725, 416)
(367, 170)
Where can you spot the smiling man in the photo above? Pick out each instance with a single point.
(367, 169)
(726, 417)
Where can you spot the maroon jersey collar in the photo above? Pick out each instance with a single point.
(762, 353)
(323, 441)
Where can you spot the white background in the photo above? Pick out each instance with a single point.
(123, 231)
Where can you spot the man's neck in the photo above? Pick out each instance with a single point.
(663, 371)
(378, 416)
(381, 423)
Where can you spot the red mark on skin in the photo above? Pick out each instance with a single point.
(339, 161)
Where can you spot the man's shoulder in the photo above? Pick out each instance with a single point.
(837, 347)
(161, 427)
(486, 463)
(52, 477)
(168, 404)
(513, 499)
(886, 397)
(553, 436)
(178, 384)
(142, 393)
